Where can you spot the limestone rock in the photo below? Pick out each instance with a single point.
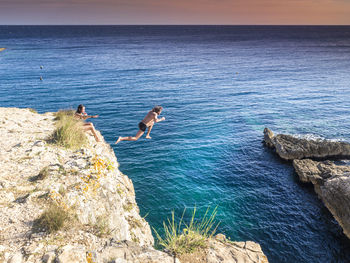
(289, 147)
(221, 250)
(49, 257)
(226, 252)
(104, 222)
(102, 198)
(131, 252)
(332, 184)
(16, 258)
(72, 254)
(331, 181)
(308, 170)
(336, 196)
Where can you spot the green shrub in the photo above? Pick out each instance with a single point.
(52, 219)
(184, 237)
(69, 132)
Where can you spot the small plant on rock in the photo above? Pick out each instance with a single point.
(128, 207)
(63, 114)
(52, 219)
(43, 173)
(101, 227)
(41, 176)
(32, 110)
(188, 237)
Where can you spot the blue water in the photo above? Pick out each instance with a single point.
(219, 86)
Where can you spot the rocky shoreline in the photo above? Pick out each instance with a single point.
(331, 180)
(105, 225)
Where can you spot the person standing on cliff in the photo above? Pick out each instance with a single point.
(80, 114)
(147, 122)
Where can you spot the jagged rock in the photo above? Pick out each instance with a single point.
(131, 252)
(332, 184)
(221, 250)
(308, 171)
(226, 252)
(72, 254)
(49, 257)
(290, 148)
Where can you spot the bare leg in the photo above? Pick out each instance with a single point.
(149, 131)
(130, 138)
(90, 127)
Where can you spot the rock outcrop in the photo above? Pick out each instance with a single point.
(332, 184)
(226, 251)
(104, 221)
(331, 181)
(219, 249)
(289, 147)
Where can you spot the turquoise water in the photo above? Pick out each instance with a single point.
(219, 86)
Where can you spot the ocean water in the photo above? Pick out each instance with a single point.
(219, 86)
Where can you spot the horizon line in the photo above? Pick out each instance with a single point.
(174, 24)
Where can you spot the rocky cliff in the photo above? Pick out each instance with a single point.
(332, 185)
(331, 181)
(289, 147)
(103, 223)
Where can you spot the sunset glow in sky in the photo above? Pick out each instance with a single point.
(233, 12)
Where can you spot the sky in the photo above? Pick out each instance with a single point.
(190, 12)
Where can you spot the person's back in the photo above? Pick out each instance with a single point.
(149, 119)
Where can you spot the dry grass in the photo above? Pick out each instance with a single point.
(41, 176)
(32, 110)
(69, 132)
(61, 114)
(101, 227)
(52, 219)
(128, 207)
(186, 238)
(134, 223)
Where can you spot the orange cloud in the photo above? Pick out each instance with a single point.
(176, 12)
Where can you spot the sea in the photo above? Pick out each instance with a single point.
(220, 86)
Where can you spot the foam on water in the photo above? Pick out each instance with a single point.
(316, 137)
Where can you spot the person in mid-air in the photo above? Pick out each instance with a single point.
(147, 122)
(80, 114)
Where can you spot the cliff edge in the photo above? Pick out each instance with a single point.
(41, 183)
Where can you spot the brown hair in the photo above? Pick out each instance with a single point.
(157, 109)
(80, 108)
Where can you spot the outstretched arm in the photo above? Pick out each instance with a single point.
(84, 117)
(159, 120)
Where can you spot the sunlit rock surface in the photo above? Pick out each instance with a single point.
(105, 224)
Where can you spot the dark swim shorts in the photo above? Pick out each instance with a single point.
(142, 126)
